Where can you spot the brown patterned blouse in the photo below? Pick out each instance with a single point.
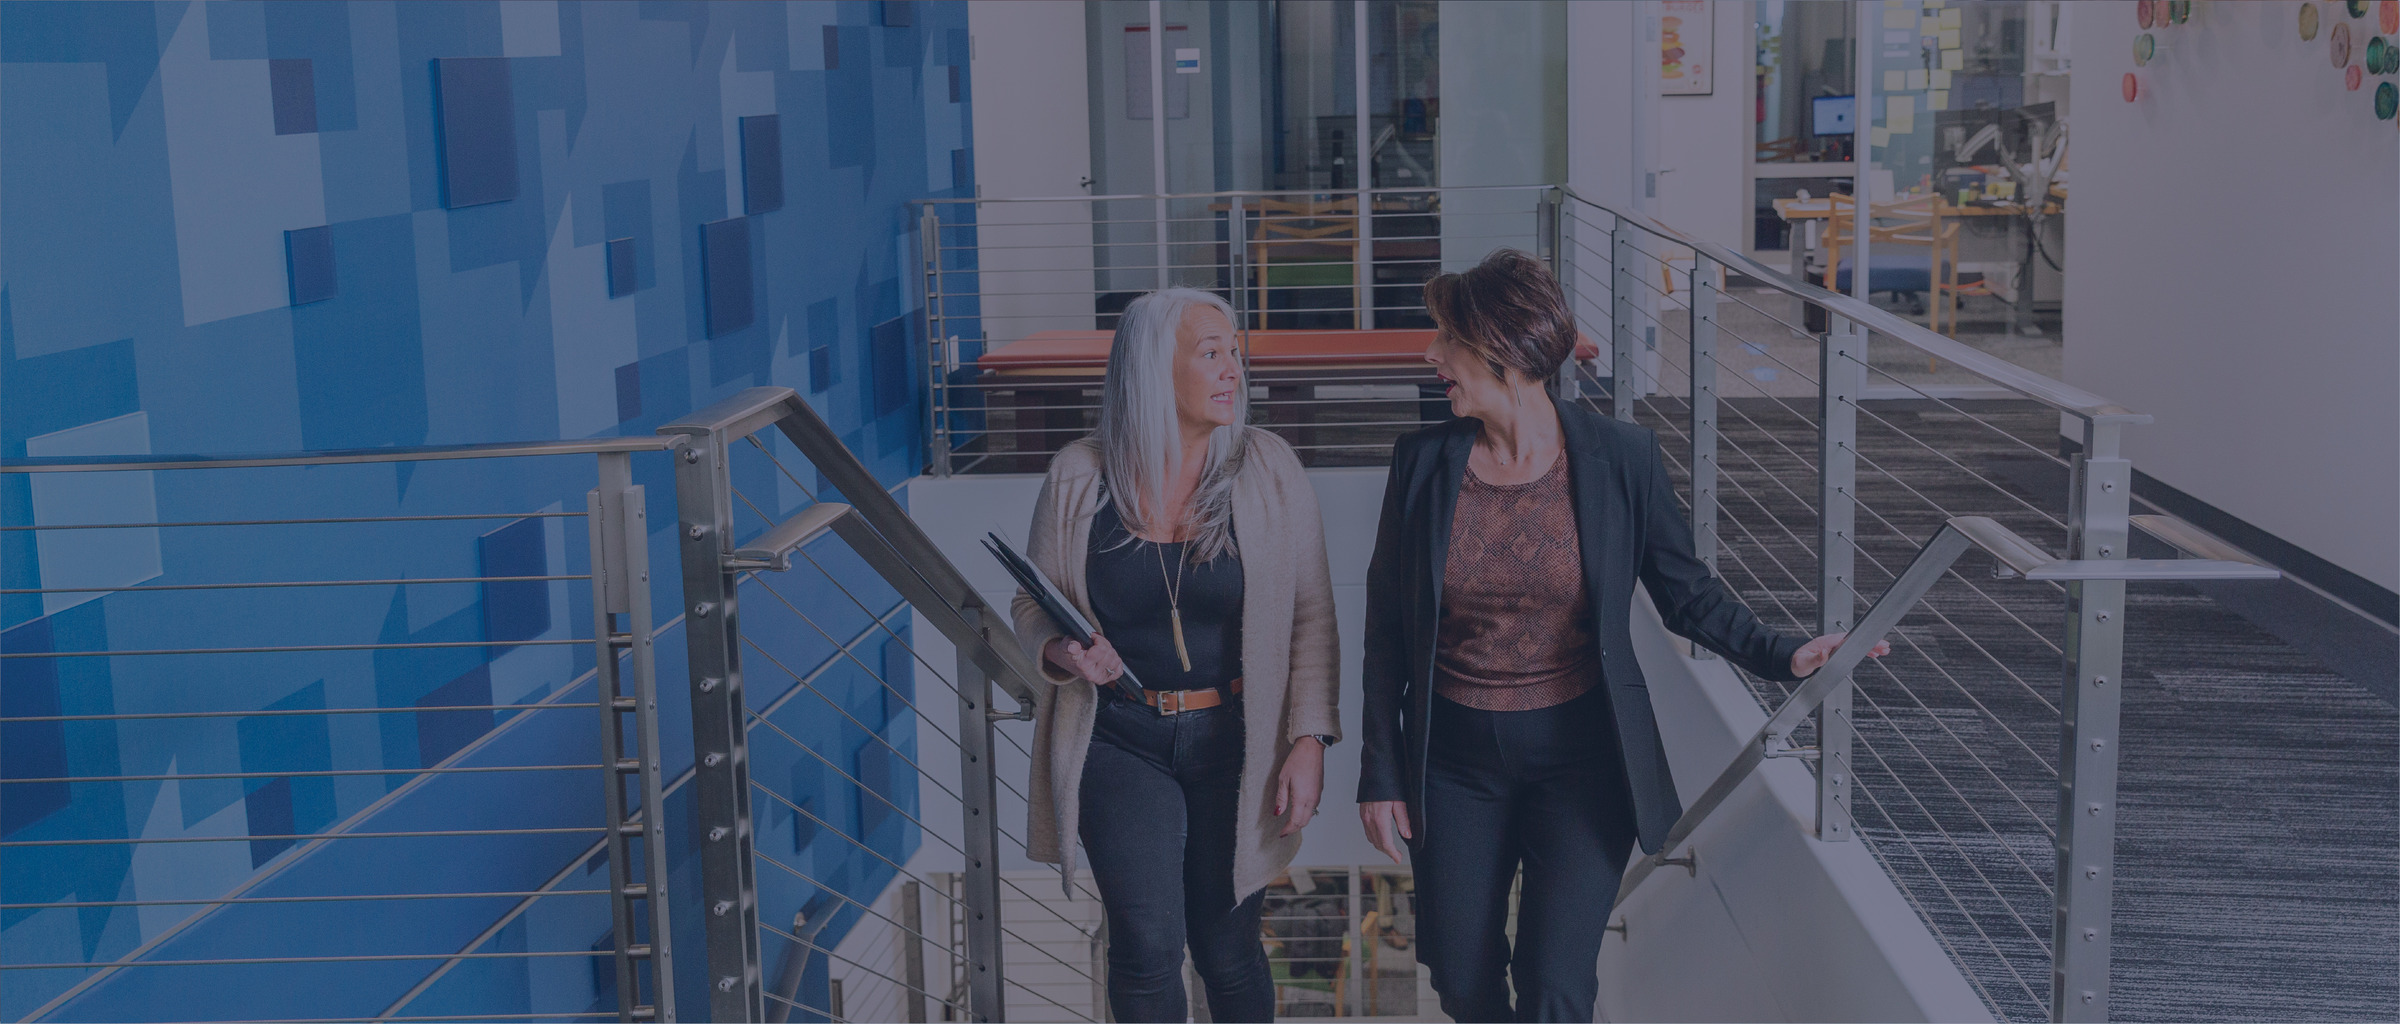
(1516, 628)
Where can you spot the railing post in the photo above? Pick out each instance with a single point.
(720, 736)
(2087, 793)
(1550, 226)
(1621, 339)
(979, 799)
(912, 950)
(937, 363)
(617, 521)
(1237, 267)
(1842, 369)
(1703, 363)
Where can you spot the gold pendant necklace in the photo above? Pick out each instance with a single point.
(1175, 604)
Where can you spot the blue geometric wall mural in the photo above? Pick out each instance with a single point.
(244, 226)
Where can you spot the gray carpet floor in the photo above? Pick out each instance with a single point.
(2259, 838)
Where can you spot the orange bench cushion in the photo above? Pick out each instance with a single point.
(1088, 350)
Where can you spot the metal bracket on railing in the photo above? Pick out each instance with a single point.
(2020, 556)
(773, 550)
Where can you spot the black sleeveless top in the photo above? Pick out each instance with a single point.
(1129, 599)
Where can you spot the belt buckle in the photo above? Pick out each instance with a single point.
(1165, 696)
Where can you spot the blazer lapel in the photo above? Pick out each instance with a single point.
(1588, 476)
(1449, 473)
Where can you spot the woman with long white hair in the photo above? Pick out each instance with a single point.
(1192, 542)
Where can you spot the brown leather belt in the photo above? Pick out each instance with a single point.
(1176, 702)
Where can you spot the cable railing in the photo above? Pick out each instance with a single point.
(1977, 761)
(420, 845)
(812, 732)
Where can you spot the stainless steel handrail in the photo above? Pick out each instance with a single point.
(2054, 393)
(346, 456)
(2019, 556)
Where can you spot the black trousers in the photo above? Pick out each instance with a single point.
(1159, 797)
(1543, 790)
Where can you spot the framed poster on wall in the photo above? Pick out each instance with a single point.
(1687, 64)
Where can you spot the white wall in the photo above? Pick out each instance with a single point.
(2236, 239)
(1032, 139)
(1704, 141)
(1503, 120)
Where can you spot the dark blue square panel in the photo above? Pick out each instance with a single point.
(888, 354)
(962, 171)
(725, 275)
(308, 258)
(762, 164)
(292, 83)
(833, 48)
(824, 325)
(624, 276)
(30, 750)
(898, 13)
(820, 368)
(629, 391)
(478, 130)
(515, 609)
(270, 813)
(956, 75)
(446, 726)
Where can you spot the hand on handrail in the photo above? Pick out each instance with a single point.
(1814, 654)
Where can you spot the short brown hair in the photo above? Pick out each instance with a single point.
(1507, 309)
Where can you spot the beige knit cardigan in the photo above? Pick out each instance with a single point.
(1291, 659)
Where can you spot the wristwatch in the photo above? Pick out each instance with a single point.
(1322, 739)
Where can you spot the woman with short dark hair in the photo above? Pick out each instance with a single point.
(1506, 722)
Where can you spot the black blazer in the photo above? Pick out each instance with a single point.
(1631, 529)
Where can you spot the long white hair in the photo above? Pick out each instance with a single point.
(1140, 436)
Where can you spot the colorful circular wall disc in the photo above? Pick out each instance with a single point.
(2308, 22)
(2358, 8)
(2375, 51)
(2387, 100)
(2351, 77)
(2145, 13)
(2145, 47)
(2341, 45)
(2132, 87)
(2179, 11)
(2387, 14)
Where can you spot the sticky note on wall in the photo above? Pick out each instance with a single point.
(1939, 99)
(1940, 78)
(1900, 114)
(1895, 80)
(1953, 60)
(1950, 17)
(1916, 78)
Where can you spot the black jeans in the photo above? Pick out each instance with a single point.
(1159, 796)
(1545, 789)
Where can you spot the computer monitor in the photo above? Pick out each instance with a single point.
(1833, 115)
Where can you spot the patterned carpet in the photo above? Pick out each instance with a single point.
(2259, 837)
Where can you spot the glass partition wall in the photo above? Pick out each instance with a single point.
(1964, 110)
(1330, 113)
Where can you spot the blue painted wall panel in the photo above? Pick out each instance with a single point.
(439, 322)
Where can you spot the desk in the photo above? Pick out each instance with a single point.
(1808, 213)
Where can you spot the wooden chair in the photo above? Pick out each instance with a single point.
(1303, 232)
(1915, 223)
